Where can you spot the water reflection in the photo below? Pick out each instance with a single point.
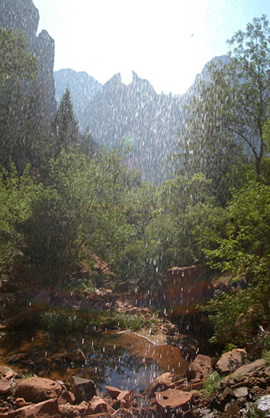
(123, 360)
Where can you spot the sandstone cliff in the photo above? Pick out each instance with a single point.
(22, 15)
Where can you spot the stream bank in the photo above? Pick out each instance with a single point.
(200, 386)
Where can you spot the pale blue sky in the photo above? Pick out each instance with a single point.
(165, 41)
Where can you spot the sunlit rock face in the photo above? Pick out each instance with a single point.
(22, 15)
(83, 88)
(133, 115)
(136, 116)
(186, 288)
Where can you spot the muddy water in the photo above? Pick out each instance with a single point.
(123, 360)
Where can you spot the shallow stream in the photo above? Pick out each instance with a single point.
(124, 360)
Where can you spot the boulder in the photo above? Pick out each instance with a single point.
(66, 397)
(159, 384)
(173, 398)
(113, 392)
(262, 406)
(5, 386)
(241, 392)
(44, 409)
(187, 287)
(123, 413)
(71, 411)
(77, 356)
(97, 405)
(125, 398)
(231, 361)
(249, 368)
(200, 369)
(83, 389)
(38, 389)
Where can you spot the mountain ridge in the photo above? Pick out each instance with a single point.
(118, 113)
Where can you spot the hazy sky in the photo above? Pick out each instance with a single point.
(165, 41)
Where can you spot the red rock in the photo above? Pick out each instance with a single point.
(9, 375)
(5, 386)
(231, 361)
(187, 287)
(20, 402)
(45, 409)
(77, 356)
(97, 405)
(113, 391)
(200, 369)
(84, 389)
(173, 398)
(81, 410)
(123, 413)
(125, 397)
(38, 389)
(160, 383)
(249, 368)
(66, 397)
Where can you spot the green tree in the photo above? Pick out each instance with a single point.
(226, 118)
(16, 67)
(17, 195)
(16, 64)
(243, 249)
(77, 217)
(65, 126)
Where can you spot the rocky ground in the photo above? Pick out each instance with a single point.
(242, 387)
(233, 385)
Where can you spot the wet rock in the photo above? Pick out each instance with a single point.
(231, 361)
(84, 389)
(187, 286)
(77, 356)
(45, 409)
(159, 384)
(38, 389)
(173, 398)
(200, 369)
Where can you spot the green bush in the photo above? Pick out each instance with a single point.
(212, 383)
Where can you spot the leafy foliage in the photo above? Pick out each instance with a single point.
(244, 249)
(17, 194)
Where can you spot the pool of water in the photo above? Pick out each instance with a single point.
(125, 360)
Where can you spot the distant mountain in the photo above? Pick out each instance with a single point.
(133, 114)
(22, 15)
(83, 88)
